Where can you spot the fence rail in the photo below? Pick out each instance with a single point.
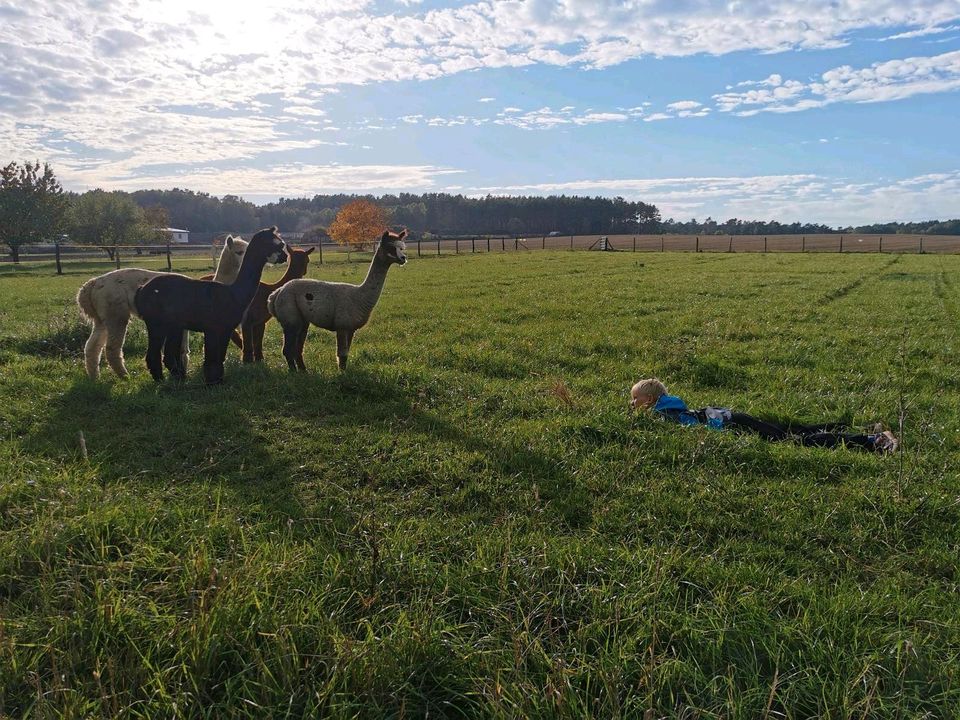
(846, 243)
(120, 255)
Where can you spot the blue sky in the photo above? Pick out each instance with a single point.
(841, 112)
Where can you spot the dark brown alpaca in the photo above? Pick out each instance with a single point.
(257, 316)
(170, 304)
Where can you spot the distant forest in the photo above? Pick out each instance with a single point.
(451, 215)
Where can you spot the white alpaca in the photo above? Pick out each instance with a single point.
(340, 307)
(106, 301)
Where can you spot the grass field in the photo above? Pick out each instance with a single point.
(468, 523)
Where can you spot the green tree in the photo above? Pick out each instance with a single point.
(113, 218)
(32, 205)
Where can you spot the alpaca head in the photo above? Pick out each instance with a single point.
(231, 256)
(298, 261)
(269, 245)
(392, 247)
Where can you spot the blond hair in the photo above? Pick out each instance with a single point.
(650, 387)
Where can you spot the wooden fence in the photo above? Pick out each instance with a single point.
(120, 255)
(846, 243)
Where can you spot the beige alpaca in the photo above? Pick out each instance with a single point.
(106, 302)
(340, 307)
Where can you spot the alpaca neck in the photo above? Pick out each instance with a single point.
(227, 268)
(288, 275)
(248, 279)
(371, 287)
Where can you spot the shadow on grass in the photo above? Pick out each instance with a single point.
(62, 338)
(170, 434)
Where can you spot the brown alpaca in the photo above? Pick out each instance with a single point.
(257, 316)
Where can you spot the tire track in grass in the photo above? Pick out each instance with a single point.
(844, 290)
(841, 292)
(946, 294)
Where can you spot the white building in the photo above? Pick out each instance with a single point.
(177, 236)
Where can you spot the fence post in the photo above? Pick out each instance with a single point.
(473, 244)
(921, 244)
(488, 243)
(634, 243)
(503, 244)
(697, 246)
(571, 242)
(803, 243)
(438, 244)
(320, 251)
(59, 267)
(764, 243)
(116, 255)
(169, 260)
(881, 243)
(730, 246)
(543, 242)
(841, 243)
(457, 244)
(418, 247)
(661, 242)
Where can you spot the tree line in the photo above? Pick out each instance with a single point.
(434, 213)
(34, 208)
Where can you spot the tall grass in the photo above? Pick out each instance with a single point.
(468, 523)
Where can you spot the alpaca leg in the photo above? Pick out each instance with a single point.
(344, 338)
(214, 354)
(247, 330)
(116, 334)
(301, 341)
(173, 354)
(185, 352)
(94, 348)
(155, 338)
(291, 340)
(257, 331)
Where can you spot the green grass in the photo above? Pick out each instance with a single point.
(467, 523)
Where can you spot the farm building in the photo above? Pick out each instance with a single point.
(177, 236)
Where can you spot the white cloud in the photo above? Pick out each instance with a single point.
(149, 83)
(486, 99)
(881, 82)
(684, 105)
(657, 116)
(922, 32)
(288, 179)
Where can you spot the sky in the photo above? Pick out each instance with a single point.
(835, 111)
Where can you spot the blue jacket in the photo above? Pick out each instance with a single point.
(675, 409)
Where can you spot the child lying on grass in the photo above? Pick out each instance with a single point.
(651, 394)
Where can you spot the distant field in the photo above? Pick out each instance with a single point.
(467, 523)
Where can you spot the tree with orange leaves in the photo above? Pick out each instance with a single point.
(358, 223)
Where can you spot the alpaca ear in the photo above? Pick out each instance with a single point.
(229, 241)
(310, 250)
(385, 236)
(403, 233)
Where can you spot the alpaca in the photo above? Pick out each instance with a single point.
(257, 316)
(106, 302)
(339, 307)
(170, 304)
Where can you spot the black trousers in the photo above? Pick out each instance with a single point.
(822, 435)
